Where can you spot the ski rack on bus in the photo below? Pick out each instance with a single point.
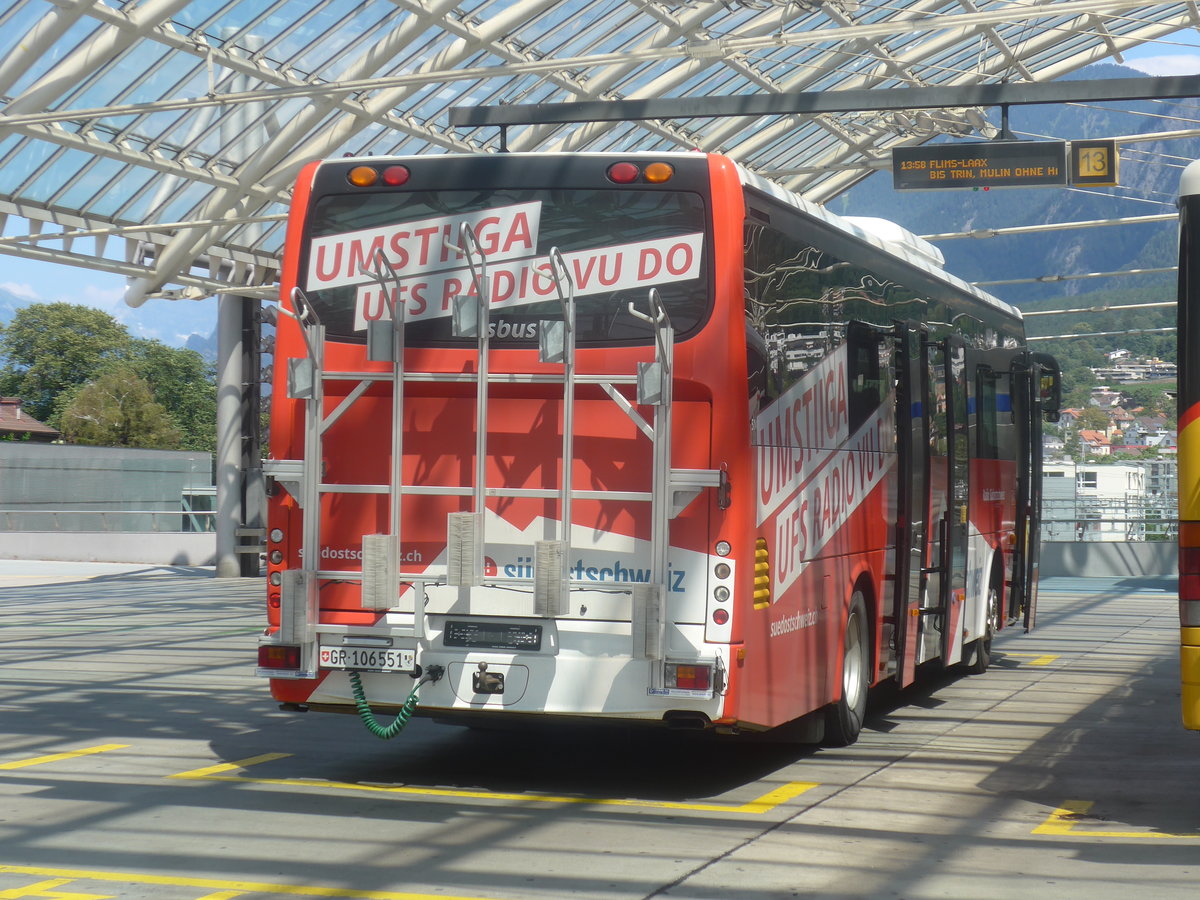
(672, 490)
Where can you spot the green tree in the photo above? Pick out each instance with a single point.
(52, 351)
(1152, 397)
(1094, 418)
(186, 387)
(51, 348)
(1073, 446)
(1078, 382)
(118, 410)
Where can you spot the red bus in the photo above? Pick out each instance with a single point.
(634, 437)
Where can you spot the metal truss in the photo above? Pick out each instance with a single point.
(159, 139)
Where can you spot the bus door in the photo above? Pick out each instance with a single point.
(912, 499)
(1033, 394)
(948, 464)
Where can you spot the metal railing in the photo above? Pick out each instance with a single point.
(117, 521)
(1084, 518)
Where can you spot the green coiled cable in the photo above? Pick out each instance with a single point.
(383, 732)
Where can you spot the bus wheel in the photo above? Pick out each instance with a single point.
(844, 718)
(980, 650)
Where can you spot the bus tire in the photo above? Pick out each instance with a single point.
(844, 717)
(979, 651)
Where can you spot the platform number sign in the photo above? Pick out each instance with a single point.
(1094, 163)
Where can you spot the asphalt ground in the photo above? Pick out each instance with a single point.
(140, 757)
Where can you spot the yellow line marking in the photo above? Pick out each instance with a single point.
(1036, 659)
(44, 889)
(56, 757)
(226, 886)
(1063, 820)
(759, 805)
(210, 772)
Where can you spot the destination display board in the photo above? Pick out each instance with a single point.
(986, 164)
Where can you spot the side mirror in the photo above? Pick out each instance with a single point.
(1049, 399)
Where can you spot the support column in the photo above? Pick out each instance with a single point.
(228, 457)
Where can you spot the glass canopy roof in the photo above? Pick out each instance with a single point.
(158, 139)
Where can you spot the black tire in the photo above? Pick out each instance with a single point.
(978, 653)
(844, 717)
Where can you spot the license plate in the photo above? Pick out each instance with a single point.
(368, 659)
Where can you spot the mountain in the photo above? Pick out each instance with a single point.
(1149, 175)
(205, 346)
(9, 304)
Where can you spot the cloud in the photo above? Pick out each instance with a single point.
(24, 291)
(1167, 64)
(108, 299)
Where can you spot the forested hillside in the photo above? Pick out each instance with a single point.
(1149, 175)
(1149, 181)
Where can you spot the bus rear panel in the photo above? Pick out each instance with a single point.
(634, 438)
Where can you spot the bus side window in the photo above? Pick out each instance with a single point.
(986, 415)
(757, 370)
(866, 371)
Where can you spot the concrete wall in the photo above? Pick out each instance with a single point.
(156, 548)
(1153, 559)
(72, 488)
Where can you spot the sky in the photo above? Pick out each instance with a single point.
(173, 321)
(1178, 54)
(169, 321)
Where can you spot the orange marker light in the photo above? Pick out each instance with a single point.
(657, 173)
(362, 176)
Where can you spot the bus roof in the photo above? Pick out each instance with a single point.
(882, 234)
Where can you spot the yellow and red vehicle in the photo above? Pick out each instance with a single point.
(1188, 404)
(636, 437)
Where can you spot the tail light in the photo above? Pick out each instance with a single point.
(630, 173)
(369, 176)
(279, 656)
(689, 677)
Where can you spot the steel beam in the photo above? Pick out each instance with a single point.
(822, 102)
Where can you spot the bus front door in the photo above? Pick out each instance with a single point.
(1022, 603)
(946, 509)
(912, 498)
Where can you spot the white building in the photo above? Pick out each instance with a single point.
(1118, 502)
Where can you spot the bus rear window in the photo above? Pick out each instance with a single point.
(616, 244)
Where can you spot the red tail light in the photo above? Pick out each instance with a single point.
(623, 173)
(278, 656)
(395, 175)
(689, 678)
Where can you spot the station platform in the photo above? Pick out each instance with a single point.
(142, 759)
